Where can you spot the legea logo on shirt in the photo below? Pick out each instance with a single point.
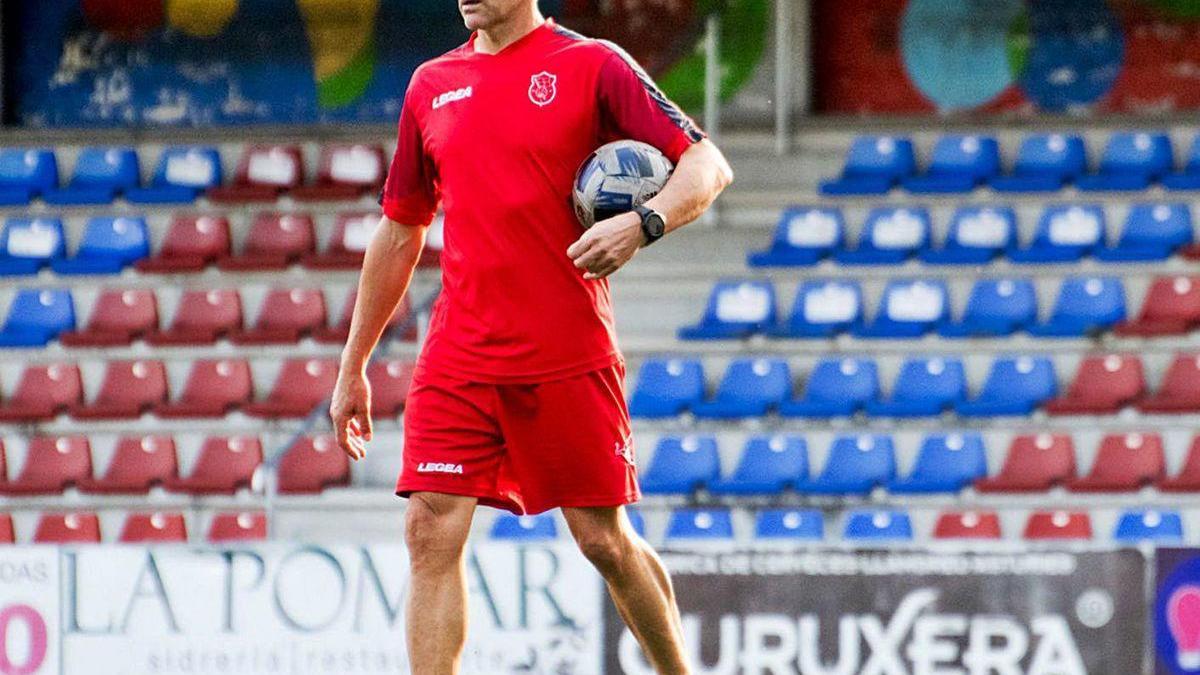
(451, 97)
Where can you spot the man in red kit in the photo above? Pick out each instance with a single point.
(517, 399)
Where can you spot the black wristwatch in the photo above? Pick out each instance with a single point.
(654, 226)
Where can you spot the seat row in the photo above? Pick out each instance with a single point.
(83, 527)
(1045, 162)
(892, 235)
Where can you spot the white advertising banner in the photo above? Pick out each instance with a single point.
(29, 627)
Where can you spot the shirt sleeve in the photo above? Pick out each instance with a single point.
(632, 106)
(410, 194)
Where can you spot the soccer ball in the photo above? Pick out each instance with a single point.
(616, 178)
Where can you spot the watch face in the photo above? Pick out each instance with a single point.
(655, 225)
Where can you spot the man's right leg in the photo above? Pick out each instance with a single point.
(435, 529)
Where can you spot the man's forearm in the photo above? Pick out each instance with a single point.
(701, 174)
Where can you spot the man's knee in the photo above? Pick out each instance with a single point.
(608, 548)
(435, 535)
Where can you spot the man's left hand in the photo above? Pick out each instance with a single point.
(608, 245)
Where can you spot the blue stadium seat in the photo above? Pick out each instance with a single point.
(1085, 305)
(736, 309)
(837, 387)
(805, 235)
(890, 236)
(978, 234)
(769, 464)
(959, 163)
(823, 308)
(183, 173)
(1136, 526)
(856, 464)
(791, 524)
(908, 309)
(1014, 386)
(636, 520)
(25, 174)
(1189, 178)
(100, 173)
(995, 307)
(873, 165)
(29, 244)
(109, 244)
(1045, 162)
(667, 387)
(1152, 232)
(681, 464)
(511, 527)
(925, 387)
(1065, 233)
(700, 524)
(883, 525)
(751, 387)
(945, 463)
(36, 316)
(1132, 160)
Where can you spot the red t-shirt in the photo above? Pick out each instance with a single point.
(497, 140)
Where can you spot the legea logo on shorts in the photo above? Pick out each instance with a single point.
(438, 467)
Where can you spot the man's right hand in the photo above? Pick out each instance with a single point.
(350, 411)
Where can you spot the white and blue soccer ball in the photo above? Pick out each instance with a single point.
(616, 178)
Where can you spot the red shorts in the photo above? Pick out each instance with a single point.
(526, 448)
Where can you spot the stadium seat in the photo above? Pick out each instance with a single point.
(1131, 161)
(43, 392)
(890, 236)
(836, 387)
(1171, 307)
(153, 528)
(946, 462)
(263, 173)
(924, 387)
(959, 163)
(978, 234)
(636, 521)
(237, 527)
(1152, 232)
(682, 464)
(1014, 386)
(1149, 525)
(37, 316)
(667, 387)
(302, 384)
(286, 316)
(1085, 305)
(52, 463)
(995, 307)
(1065, 233)
(67, 528)
(967, 525)
(1058, 525)
(129, 389)
(312, 464)
(8, 534)
(225, 465)
(736, 309)
(751, 388)
(1189, 177)
(26, 173)
(183, 173)
(139, 463)
(804, 236)
(352, 233)
(822, 308)
(789, 525)
(908, 309)
(213, 388)
(201, 317)
(118, 318)
(345, 171)
(700, 525)
(856, 464)
(192, 243)
(881, 525)
(1179, 392)
(768, 465)
(100, 174)
(108, 246)
(1124, 463)
(873, 165)
(401, 323)
(1035, 463)
(1188, 478)
(390, 381)
(29, 244)
(511, 527)
(1045, 162)
(274, 241)
(1103, 385)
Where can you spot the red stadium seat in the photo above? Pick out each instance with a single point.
(345, 172)
(1171, 307)
(287, 315)
(263, 173)
(153, 528)
(118, 318)
(275, 241)
(1188, 478)
(1035, 463)
(1103, 384)
(213, 388)
(192, 243)
(302, 384)
(338, 334)
(129, 389)
(235, 527)
(390, 381)
(202, 317)
(7, 533)
(351, 234)
(225, 465)
(43, 392)
(967, 525)
(1180, 388)
(67, 528)
(138, 464)
(312, 464)
(52, 463)
(1124, 463)
(1058, 525)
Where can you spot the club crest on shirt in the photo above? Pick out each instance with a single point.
(542, 88)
